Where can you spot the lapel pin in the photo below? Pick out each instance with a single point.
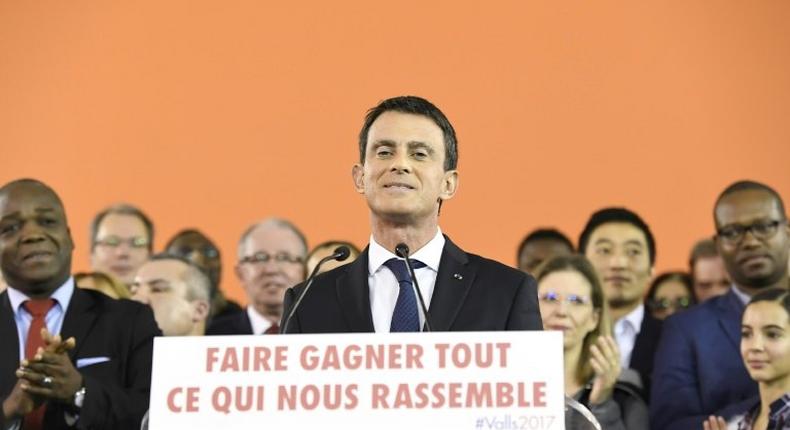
(458, 276)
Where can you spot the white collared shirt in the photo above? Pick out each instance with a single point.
(258, 322)
(625, 331)
(743, 297)
(54, 318)
(384, 286)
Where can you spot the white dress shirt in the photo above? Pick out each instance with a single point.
(743, 297)
(258, 322)
(625, 331)
(53, 319)
(384, 286)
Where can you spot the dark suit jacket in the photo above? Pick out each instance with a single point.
(117, 391)
(237, 323)
(471, 294)
(644, 350)
(698, 367)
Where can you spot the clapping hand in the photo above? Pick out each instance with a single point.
(50, 374)
(714, 423)
(605, 361)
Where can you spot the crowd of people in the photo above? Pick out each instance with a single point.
(701, 349)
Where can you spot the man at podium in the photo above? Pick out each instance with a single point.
(407, 169)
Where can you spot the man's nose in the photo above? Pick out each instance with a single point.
(618, 260)
(400, 162)
(31, 233)
(750, 240)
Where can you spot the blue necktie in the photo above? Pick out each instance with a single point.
(405, 317)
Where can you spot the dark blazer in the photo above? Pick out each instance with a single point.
(471, 294)
(698, 367)
(117, 391)
(237, 323)
(644, 351)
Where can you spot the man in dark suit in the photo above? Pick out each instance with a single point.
(271, 256)
(100, 377)
(699, 370)
(406, 170)
(621, 247)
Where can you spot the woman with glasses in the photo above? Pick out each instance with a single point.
(669, 293)
(765, 350)
(572, 301)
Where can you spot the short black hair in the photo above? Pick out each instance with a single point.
(748, 185)
(417, 106)
(545, 234)
(617, 215)
(123, 209)
(30, 181)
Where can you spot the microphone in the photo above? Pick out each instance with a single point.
(341, 253)
(402, 251)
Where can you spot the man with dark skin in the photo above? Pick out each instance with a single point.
(36, 248)
(197, 247)
(699, 371)
(540, 246)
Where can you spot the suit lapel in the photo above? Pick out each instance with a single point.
(453, 282)
(9, 359)
(730, 311)
(79, 319)
(354, 296)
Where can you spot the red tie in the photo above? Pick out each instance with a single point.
(273, 329)
(38, 309)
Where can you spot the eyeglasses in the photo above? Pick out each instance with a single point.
(571, 299)
(734, 233)
(263, 257)
(207, 251)
(664, 304)
(115, 241)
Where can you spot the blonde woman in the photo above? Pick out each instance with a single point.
(572, 301)
(102, 283)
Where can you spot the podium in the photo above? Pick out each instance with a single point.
(415, 381)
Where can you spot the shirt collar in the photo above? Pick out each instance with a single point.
(257, 321)
(635, 317)
(62, 296)
(743, 297)
(430, 254)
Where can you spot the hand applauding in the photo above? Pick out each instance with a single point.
(605, 361)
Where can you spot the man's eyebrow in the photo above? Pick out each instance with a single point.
(383, 142)
(415, 144)
(634, 242)
(603, 240)
(161, 283)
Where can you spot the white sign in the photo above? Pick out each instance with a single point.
(412, 381)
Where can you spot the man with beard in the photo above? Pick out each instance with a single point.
(699, 371)
(621, 247)
(99, 377)
(271, 259)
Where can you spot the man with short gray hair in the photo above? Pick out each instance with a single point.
(271, 259)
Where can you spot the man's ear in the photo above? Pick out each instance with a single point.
(449, 185)
(200, 310)
(358, 175)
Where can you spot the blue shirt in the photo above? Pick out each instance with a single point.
(54, 318)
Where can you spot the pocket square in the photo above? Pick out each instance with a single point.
(89, 361)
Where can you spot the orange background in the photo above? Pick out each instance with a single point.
(213, 114)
